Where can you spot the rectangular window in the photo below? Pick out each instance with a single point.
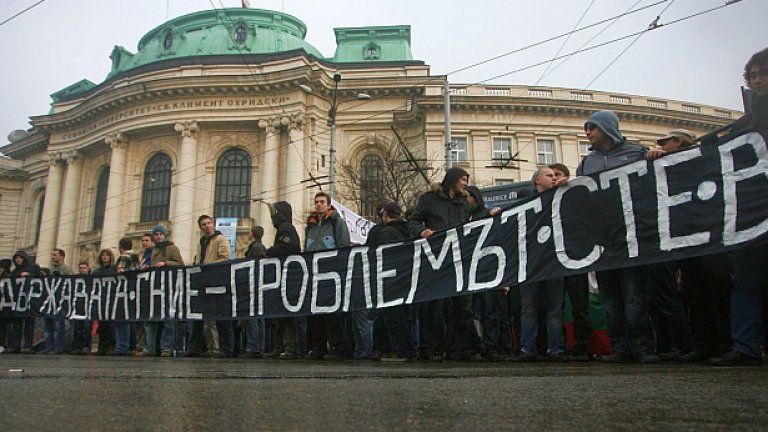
(459, 150)
(503, 182)
(545, 150)
(501, 151)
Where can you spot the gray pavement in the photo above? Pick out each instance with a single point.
(116, 393)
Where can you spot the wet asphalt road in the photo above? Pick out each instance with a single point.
(60, 393)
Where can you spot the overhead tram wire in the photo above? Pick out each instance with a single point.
(579, 51)
(18, 14)
(559, 50)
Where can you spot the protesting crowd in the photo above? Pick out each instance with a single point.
(699, 309)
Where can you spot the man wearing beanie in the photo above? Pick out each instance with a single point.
(622, 290)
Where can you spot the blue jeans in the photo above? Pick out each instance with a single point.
(549, 293)
(54, 335)
(750, 277)
(363, 334)
(173, 337)
(625, 299)
(255, 335)
(121, 331)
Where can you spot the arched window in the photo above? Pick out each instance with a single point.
(371, 184)
(233, 185)
(156, 191)
(101, 199)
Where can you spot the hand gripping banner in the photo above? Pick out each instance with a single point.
(704, 200)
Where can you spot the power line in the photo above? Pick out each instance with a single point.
(22, 12)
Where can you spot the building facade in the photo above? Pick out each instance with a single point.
(220, 111)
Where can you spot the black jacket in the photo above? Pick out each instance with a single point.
(395, 230)
(26, 266)
(255, 250)
(286, 238)
(437, 210)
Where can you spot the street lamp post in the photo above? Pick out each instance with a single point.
(332, 124)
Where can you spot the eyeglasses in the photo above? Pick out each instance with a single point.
(589, 127)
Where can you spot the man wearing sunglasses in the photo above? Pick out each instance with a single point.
(623, 291)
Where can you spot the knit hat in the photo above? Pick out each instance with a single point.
(608, 123)
(160, 229)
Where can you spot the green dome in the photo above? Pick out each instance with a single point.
(223, 32)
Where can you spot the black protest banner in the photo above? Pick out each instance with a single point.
(703, 200)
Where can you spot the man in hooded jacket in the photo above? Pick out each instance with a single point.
(439, 209)
(623, 291)
(23, 268)
(287, 242)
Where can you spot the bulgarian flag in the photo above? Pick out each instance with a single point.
(599, 342)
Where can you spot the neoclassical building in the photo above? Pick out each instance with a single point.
(221, 110)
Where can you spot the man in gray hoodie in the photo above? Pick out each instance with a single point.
(623, 291)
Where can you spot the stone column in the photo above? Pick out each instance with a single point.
(70, 206)
(50, 218)
(269, 170)
(112, 230)
(183, 216)
(295, 172)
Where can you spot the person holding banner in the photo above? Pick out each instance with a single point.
(23, 267)
(254, 326)
(750, 272)
(287, 242)
(164, 254)
(395, 318)
(622, 291)
(547, 293)
(213, 247)
(326, 230)
(444, 207)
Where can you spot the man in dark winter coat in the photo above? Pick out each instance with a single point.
(23, 326)
(623, 291)
(395, 317)
(287, 242)
(750, 274)
(442, 208)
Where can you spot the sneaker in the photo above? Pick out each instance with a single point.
(288, 355)
(334, 355)
(561, 357)
(27, 351)
(377, 355)
(736, 358)
(394, 357)
(676, 356)
(581, 357)
(492, 356)
(166, 354)
(251, 355)
(524, 357)
(469, 357)
(315, 355)
(273, 354)
(617, 357)
(143, 354)
(648, 358)
(435, 357)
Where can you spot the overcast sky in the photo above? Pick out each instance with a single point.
(701, 59)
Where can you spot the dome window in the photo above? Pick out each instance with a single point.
(241, 34)
(168, 41)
